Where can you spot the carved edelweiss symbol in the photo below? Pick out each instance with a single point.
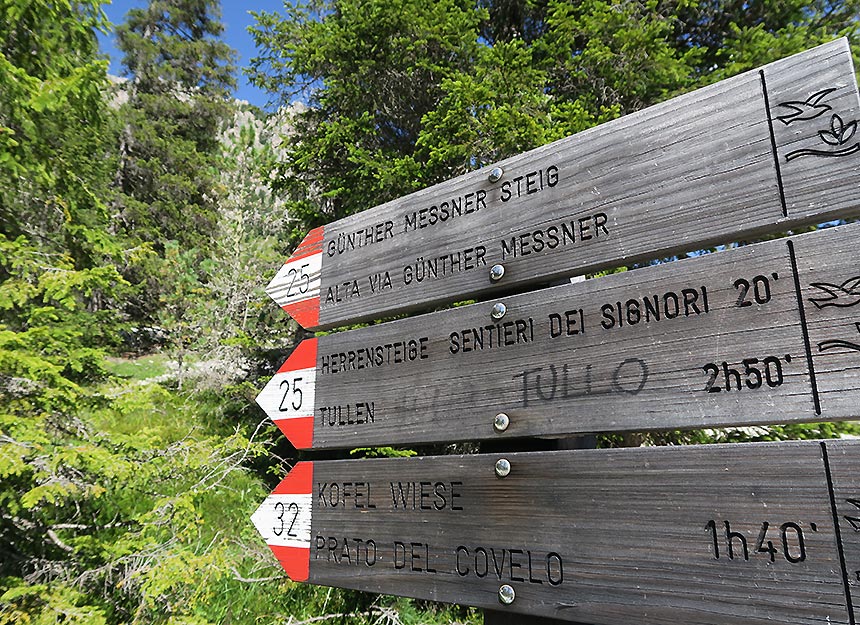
(839, 135)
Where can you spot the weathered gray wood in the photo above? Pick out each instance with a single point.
(756, 153)
(494, 617)
(567, 365)
(726, 534)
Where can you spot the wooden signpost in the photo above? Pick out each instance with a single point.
(762, 334)
(765, 333)
(730, 534)
(763, 151)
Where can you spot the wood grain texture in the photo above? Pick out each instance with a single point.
(761, 334)
(761, 152)
(727, 534)
(494, 617)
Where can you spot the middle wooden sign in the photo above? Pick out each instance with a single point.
(766, 333)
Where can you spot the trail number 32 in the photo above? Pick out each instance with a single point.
(282, 510)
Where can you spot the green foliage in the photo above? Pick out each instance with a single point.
(54, 141)
(44, 604)
(733, 36)
(247, 246)
(174, 45)
(381, 452)
(49, 360)
(137, 369)
(108, 499)
(131, 507)
(613, 57)
(371, 71)
(181, 75)
(406, 94)
(493, 110)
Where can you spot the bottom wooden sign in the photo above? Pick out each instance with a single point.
(745, 533)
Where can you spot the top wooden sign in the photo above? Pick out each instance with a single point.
(761, 152)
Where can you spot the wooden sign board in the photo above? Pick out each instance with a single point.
(740, 534)
(767, 333)
(759, 152)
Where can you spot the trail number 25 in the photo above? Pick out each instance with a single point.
(300, 279)
(296, 402)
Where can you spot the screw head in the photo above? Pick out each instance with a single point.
(503, 467)
(507, 594)
(496, 272)
(495, 174)
(501, 422)
(498, 311)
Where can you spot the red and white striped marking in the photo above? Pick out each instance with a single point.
(296, 287)
(288, 398)
(284, 521)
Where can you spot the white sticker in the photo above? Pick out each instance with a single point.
(285, 520)
(289, 395)
(297, 280)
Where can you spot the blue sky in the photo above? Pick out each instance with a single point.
(236, 21)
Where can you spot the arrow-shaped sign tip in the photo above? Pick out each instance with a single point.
(300, 431)
(288, 398)
(284, 521)
(296, 286)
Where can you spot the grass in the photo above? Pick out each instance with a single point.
(136, 369)
(220, 569)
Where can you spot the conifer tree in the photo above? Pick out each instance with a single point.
(180, 80)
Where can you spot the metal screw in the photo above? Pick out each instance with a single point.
(503, 468)
(507, 594)
(501, 422)
(498, 311)
(496, 272)
(495, 174)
